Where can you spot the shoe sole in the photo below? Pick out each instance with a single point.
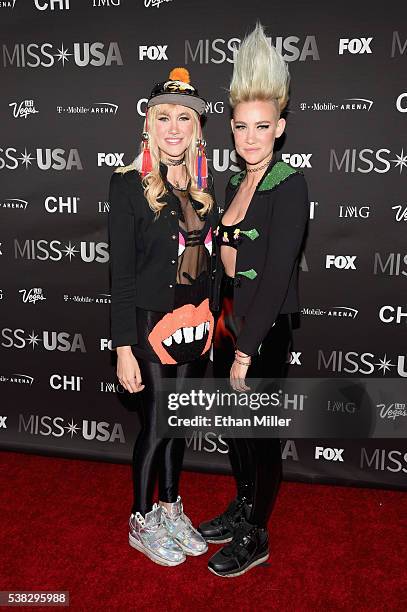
(235, 574)
(134, 544)
(222, 541)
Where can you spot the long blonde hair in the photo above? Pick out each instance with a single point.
(154, 187)
(259, 72)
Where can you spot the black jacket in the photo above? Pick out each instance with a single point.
(267, 265)
(143, 253)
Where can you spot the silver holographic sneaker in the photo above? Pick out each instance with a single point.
(149, 535)
(180, 528)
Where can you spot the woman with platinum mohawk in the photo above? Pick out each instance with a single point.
(260, 236)
(260, 73)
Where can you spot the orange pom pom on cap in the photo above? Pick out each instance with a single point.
(177, 89)
(179, 74)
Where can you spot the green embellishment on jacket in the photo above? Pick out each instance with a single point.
(279, 173)
(252, 234)
(237, 178)
(250, 274)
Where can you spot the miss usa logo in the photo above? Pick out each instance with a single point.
(50, 340)
(101, 431)
(55, 250)
(46, 55)
(43, 159)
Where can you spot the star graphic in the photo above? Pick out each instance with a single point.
(33, 339)
(70, 250)
(26, 158)
(62, 55)
(401, 160)
(385, 364)
(72, 428)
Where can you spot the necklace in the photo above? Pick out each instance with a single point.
(173, 162)
(176, 183)
(259, 167)
(182, 190)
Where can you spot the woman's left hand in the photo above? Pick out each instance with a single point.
(237, 376)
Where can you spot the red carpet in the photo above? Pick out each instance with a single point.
(64, 527)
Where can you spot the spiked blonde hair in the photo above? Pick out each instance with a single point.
(259, 73)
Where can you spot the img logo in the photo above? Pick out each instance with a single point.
(350, 211)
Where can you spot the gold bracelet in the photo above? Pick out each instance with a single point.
(242, 362)
(237, 352)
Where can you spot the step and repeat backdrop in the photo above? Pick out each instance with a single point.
(74, 80)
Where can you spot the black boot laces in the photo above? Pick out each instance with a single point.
(228, 517)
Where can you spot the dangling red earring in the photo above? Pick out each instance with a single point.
(201, 163)
(146, 164)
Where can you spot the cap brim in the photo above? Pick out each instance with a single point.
(197, 104)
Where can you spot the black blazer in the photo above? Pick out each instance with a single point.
(267, 264)
(143, 252)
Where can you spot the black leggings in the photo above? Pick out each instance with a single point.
(153, 456)
(256, 462)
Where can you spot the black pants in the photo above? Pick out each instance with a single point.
(154, 456)
(256, 462)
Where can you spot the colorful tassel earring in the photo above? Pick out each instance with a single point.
(146, 164)
(201, 163)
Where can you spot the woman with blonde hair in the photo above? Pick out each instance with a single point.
(160, 225)
(260, 236)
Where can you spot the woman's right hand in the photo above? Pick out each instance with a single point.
(128, 370)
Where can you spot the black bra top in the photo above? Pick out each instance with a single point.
(228, 234)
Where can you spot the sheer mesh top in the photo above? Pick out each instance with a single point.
(193, 235)
(194, 242)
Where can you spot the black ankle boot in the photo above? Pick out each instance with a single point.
(221, 528)
(248, 548)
